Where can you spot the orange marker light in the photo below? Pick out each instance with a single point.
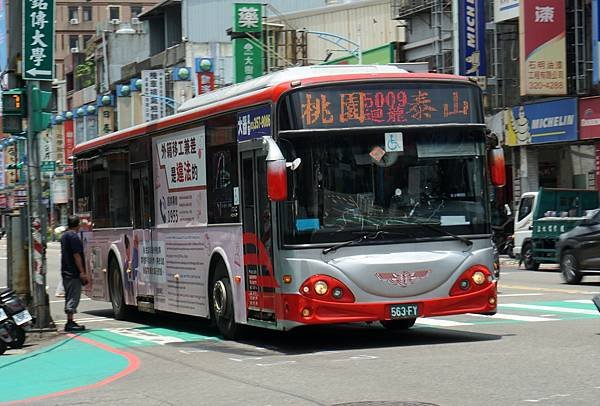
(287, 278)
(237, 279)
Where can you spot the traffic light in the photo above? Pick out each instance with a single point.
(14, 108)
(39, 119)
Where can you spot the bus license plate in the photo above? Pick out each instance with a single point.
(404, 311)
(22, 317)
(2, 315)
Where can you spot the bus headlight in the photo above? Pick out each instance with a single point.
(478, 277)
(321, 287)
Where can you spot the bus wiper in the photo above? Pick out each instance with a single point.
(439, 229)
(363, 237)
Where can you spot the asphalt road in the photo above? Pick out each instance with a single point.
(542, 348)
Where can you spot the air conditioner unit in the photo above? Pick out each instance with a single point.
(135, 20)
(74, 21)
(115, 21)
(74, 50)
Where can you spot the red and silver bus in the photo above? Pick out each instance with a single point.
(314, 195)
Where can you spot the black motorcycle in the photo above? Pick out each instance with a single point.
(14, 317)
(502, 234)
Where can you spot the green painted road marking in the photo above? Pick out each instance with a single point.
(60, 367)
(144, 336)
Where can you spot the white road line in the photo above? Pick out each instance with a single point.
(63, 300)
(516, 317)
(519, 294)
(440, 323)
(548, 308)
(586, 301)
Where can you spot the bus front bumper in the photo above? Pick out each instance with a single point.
(303, 310)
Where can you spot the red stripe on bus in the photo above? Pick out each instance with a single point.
(133, 363)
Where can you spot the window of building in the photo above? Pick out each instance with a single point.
(73, 12)
(87, 13)
(86, 38)
(135, 11)
(222, 171)
(114, 12)
(73, 41)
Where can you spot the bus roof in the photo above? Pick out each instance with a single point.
(260, 90)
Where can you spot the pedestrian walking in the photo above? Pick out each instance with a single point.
(72, 271)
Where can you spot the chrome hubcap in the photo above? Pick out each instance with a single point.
(219, 298)
(568, 267)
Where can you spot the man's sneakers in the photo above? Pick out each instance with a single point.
(72, 326)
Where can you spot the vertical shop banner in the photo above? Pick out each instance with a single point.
(153, 84)
(47, 161)
(2, 171)
(68, 141)
(596, 41)
(542, 41)
(3, 40)
(60, 191)
(589, 118)
(598, 166)
(10, 158)
(247, 51)
(506, 10)
(471, 34)
(106, 119)
(543, 122)
(205, 74)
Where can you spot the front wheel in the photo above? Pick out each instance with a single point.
(528, 260)
(115, 288)
(222, 305)
(397, 325)
(569, 268)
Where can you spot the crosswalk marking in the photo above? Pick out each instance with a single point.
(547, 308)
(441, 323)
(516, 317)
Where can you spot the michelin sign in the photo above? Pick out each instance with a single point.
(543, 122)
(471, 37)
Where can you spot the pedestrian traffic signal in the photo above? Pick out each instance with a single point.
(39, 119)
(14, 109)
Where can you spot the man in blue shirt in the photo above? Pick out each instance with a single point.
(72, 271)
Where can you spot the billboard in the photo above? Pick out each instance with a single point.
(542, 42)
(505, 10)
(589, 118)
(471, 37)
(541, 122)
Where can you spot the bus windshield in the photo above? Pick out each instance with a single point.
(363, 181)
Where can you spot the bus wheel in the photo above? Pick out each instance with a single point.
(397, 325)
(222, 304)
(115, 289)
(528, 260)
(568, 268)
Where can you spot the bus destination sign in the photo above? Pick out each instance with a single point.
(387, 105)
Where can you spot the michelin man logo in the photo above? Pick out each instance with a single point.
(520, 125)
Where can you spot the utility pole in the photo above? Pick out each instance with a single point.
(38, 65)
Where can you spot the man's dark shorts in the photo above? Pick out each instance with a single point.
(72, 294)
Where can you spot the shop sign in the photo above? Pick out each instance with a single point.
(542, 122)
(506, 10)
(248, 57)
(60, 191)
(542, 35)
(153, 85)
(471, 34)
(589, 113)
(598, 166)
(247, 17)
(68, 141)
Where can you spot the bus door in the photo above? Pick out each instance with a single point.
(142, 209)
(258, 238)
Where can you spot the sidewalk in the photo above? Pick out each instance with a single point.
(66, 364)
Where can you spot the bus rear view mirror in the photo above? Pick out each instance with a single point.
(497, 167)
(276, 172)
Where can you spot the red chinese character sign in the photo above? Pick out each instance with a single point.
(542, 37)
(387, 105)
(180, 178)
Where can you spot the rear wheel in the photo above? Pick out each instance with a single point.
(2, 347)
(115, 288)
(397, 325)
(528, 260)
(569, 268)
(222, 304)
(19, 339)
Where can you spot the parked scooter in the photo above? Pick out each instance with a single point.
(503, 233)
(14, 317)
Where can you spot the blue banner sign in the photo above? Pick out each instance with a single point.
(596, 41)
(254, 123)
(471, 37)
(543, 122)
